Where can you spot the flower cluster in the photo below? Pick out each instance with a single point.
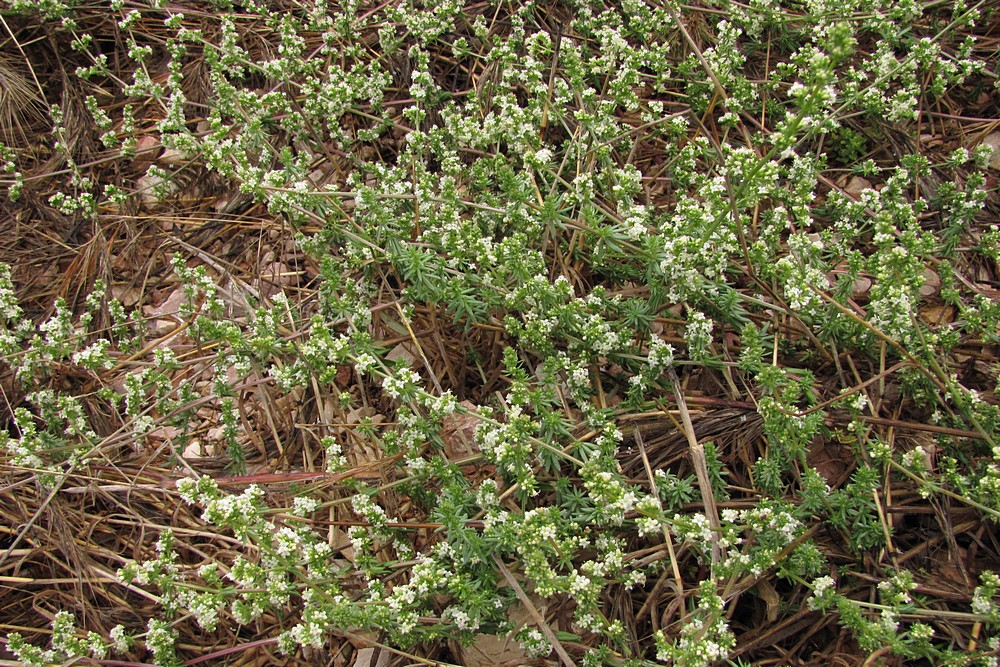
(705, 638)
(66, 644)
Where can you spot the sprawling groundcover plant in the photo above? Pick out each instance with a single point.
(629, 332)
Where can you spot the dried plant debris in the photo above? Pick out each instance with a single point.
(378, 334)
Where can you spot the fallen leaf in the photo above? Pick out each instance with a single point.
(503, 651)
(932, 283)
(404, 352)
(993, 141)
(147, 150)
(830, 460)
(856, 186)
(371, 657)
(274, 277)
(163, 317)
(458, 433)
(937, 313)
(196, 450)
(127, 295)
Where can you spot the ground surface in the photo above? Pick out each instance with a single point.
(64, 541)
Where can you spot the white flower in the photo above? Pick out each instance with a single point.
(821, 586)
(304, 505)
(364, 362)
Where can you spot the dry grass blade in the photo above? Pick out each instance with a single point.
(542, 625)
(20, 104)
(700, 463)
(21, 101)
(667, 537)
